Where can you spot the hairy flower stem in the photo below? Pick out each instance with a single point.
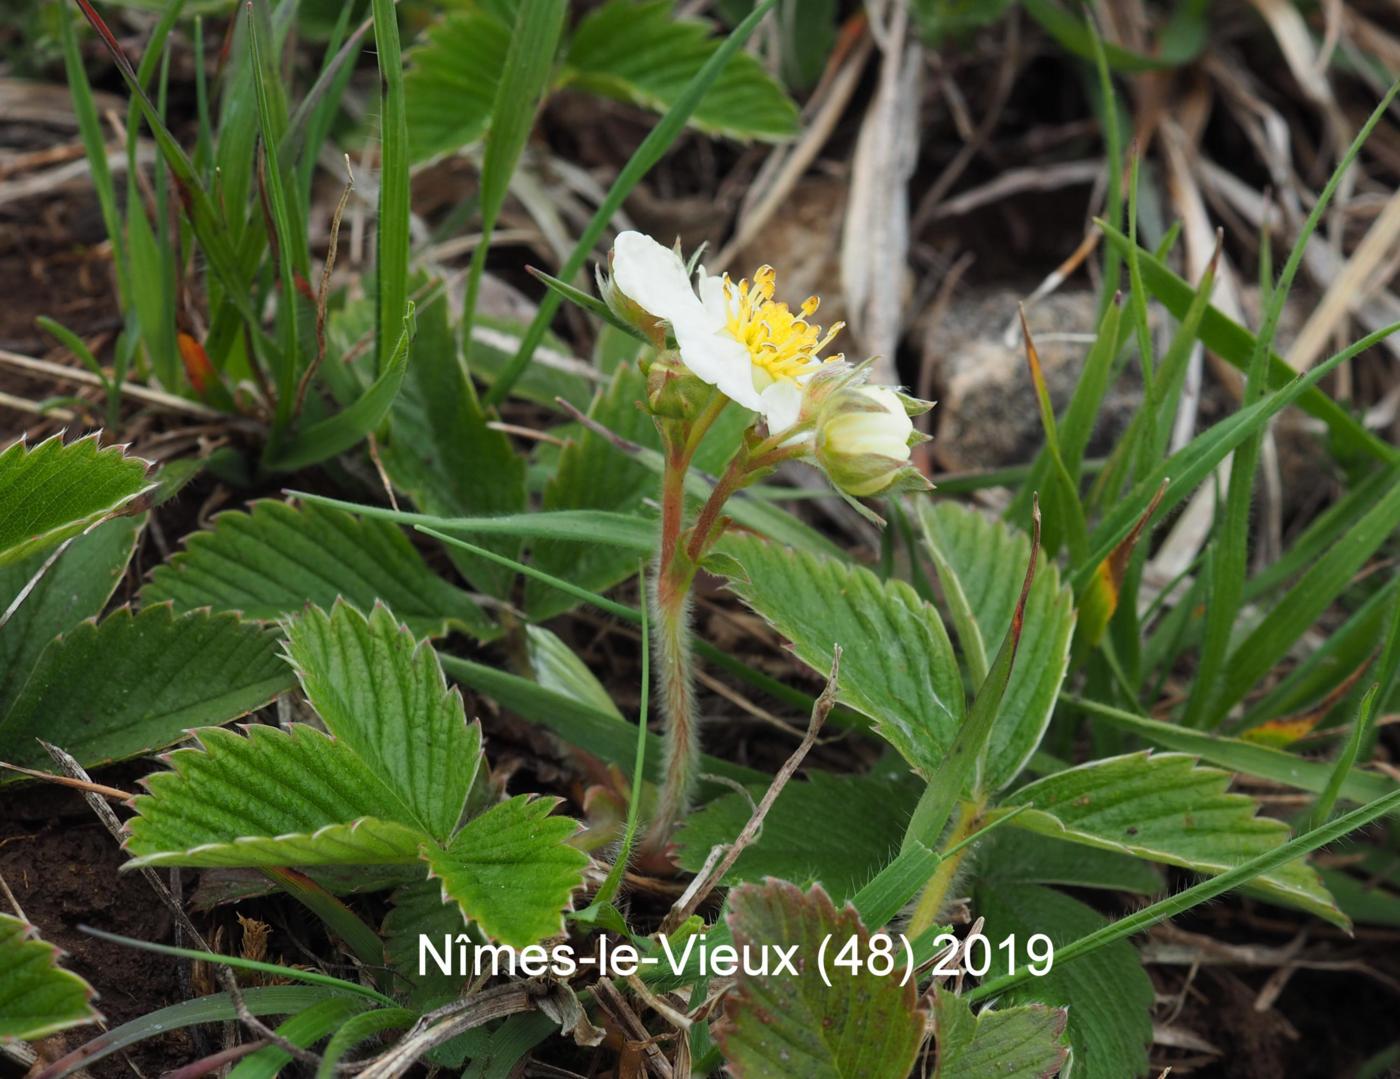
(670, 598)
(936, 890)
(707, 524)
(677, 560)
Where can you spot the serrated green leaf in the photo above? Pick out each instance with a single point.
(1360, 785)
(897, 666)
(1108, 994)
(272, 797)
(512, 871)
(980, 564)
(419, 909)
(441, 452)
(392, 776)
(637, 51)
(451, 81)
(75, 587)
(780, 1024)
(833, 830)
(591, 474)
(962, 764)
(275, 560)
(384, 696)
(1166, 808)
(37, 996)
(54, 491)
(1025, 1042)
(133, 683)
(1202, 891)
(1012, 856)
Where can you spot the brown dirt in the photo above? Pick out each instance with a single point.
(52, 262)
(62, 866)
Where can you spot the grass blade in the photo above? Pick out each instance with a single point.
(581, 526)
(1233, 343)
(285, 228)
(1345, 759)
(1323, 533)
(524, 81)
(90, 131)
(601, 602)
(391, 240)
(340, 919)
(582, 724)
(340, 432)
(311, 977)
(1195, 461)
(358, 1029)
(1230, 551)
(214, 1008)
(198, 205)
(1333, 668)
(1304, 602)
(594, 306)
(647, 155)
(1063, 505)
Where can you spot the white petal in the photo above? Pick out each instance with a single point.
(712, 295)
(782, 403)
(717, 358)
(885, 432)
(654, 278)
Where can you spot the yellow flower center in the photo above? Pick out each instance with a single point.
(781, 344)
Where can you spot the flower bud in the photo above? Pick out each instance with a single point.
(630, 312)
(863, 439)
(673, 392)
(831, 378)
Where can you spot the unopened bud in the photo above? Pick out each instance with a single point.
(864, 435)
(673, 391)
(630, 312)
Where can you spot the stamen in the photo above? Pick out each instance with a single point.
(780, 342)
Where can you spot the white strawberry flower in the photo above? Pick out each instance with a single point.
(737, 338)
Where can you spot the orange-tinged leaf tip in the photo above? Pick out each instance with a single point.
(196, 361)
